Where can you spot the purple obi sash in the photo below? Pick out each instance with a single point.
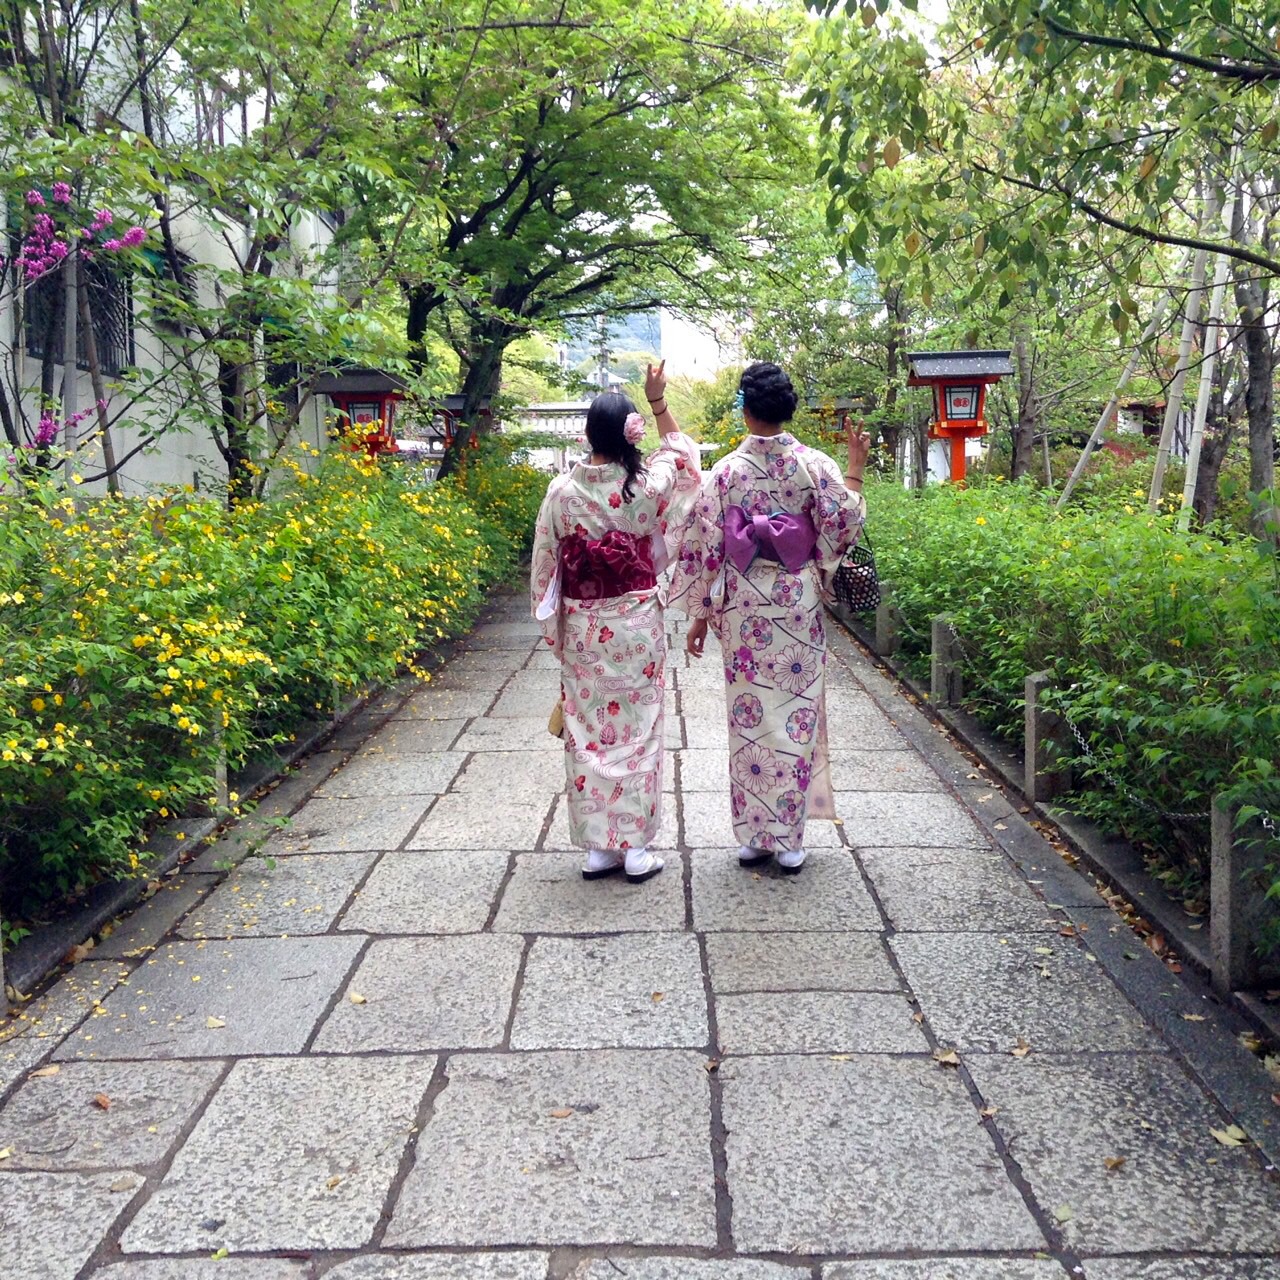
(600, 568)
(789, 539)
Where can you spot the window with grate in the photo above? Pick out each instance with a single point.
(171, 300)
(110, 310)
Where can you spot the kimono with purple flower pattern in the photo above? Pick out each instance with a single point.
(770, 626)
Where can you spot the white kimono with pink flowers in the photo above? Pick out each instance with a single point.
(594, 580)
(770, 625)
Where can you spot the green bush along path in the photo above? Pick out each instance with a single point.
(405, 1039)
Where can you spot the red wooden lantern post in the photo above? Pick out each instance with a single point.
(959, 380)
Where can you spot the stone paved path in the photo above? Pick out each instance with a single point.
(408, 1041)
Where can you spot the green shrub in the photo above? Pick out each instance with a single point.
(140, 638)
(1165, 646)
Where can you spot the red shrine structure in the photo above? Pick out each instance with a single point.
(959, 380)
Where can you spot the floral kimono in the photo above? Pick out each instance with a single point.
(596, 561)
(770, 529)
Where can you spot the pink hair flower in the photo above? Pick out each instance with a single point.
(633, 428)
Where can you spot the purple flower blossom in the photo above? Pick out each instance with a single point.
(61, 193)
(113, 245)
(133, 237)
(102, 219)
(35, 199)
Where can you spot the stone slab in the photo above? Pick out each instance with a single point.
(502, 774)
(446, 704)
(207, 1269)
(394, 773)
(1184, 1268)
(703, 769)
(322, 1191)
(817, 1022)
(302, 894)
(427, 993)
(881, 771)
(443, 1266)
(986, 1268)
(708, 823)
(558, 832)
(493, 1144)
(954, 890)
(53, 1123)
(629, 990)
(1178, 1188)
(827, 895)
(864, 1156)
(524, 734)
(52, 1222)
(909, 819)
(547, 894)
(36, 1028)
(867, 729)
(520, 702)
(473, 820)
(666, 1267)
(350, 826)
(981, 992)
(431, 891)
(269, 993)
(144, 927)
(799, 962)
(411, 737)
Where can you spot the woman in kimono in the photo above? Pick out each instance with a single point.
(599, 547)
(774, 521)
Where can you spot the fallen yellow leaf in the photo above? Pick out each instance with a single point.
(1112, 1163)
(1021, 1049)
(1193, 1017)
(214, 1023)
(946, 1057)
(561, 1113)
(1232, 1136)
(51, 1070)
(356, 998)
(102, 1102)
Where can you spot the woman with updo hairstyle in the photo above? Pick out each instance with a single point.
(600, 543)
(770, 528)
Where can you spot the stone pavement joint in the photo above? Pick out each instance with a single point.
(401, 1039)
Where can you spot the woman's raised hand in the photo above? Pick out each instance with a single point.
(859, 443)
(655, 383)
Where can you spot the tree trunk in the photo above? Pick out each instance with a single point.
(1028, 421)
(236, 449)
(1213, 453)
(488, 343)
(1259, 399)
(891, 426)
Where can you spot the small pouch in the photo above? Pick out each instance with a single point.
(555, 723)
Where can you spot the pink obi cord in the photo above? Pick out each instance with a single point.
(600, 568)
(789, 539)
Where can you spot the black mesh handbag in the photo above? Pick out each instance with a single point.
(856, 585)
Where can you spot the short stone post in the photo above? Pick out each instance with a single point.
(1046, 739)
(946, 686)
(1239, 910)
(887, 619)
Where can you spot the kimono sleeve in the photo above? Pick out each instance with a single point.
(544, 573)
(838, 516)
(699, 558)
(675, 479)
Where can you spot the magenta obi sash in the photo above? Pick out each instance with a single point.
(600, 568)
(787, 538)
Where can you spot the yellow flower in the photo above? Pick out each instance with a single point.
(42, 744)
(981, 520)
(8, 755)
(139, 641)
(1066, 544)
(37, 704)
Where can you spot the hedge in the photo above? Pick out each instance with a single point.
(140, 638)
(1164, 645)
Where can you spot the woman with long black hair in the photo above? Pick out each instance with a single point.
(601, 542)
